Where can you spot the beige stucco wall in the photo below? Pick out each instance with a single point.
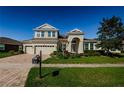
(45, 34)
(70, 37)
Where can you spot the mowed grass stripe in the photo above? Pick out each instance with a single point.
(86, 60)
(77, 77)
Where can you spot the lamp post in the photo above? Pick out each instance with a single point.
(40, 61)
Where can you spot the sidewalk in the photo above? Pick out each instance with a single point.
(81, 65)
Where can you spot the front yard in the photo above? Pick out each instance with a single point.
(10, 53)
(76, 77)
(87, 60)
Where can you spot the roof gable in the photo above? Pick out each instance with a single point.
(76, 32)
(45, 27)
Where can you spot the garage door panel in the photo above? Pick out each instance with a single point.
(38, 49)
(45, 50)
(29, 50)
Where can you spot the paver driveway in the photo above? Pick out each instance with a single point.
(14, 70)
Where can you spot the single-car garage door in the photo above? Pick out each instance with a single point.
(29, 50)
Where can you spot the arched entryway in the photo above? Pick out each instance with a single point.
(75, 45)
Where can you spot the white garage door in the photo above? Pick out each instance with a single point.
(45, 49)
(37, 49)
(29, 50)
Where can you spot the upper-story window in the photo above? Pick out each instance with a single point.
(49, 33)
(53, 34)
(38, 34)
(42, 34)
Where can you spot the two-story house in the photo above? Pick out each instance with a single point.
(46, 38)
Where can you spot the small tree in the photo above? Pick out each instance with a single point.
(110, 33)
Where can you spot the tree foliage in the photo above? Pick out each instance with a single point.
(110, 33)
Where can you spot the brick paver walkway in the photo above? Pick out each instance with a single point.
(14, 70)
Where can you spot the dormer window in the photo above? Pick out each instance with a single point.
(42, 34)
(49, 33)
(53, 34)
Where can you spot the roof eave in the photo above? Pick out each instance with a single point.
(46, 29)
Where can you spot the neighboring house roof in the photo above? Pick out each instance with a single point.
(75, 32)
(41, 41)
(45, 27)
(6, 40)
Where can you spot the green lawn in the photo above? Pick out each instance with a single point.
(5, 54)
(74, 77)
(88, 60)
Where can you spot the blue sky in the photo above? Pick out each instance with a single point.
(18, 22)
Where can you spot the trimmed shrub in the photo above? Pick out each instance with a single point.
(77, 55)
(52, 55)
(12, 52)
(16, 53)
(59, 55)
(20, 52)
(91, 53)
(54, 52)
(72, 55)
(115, 54)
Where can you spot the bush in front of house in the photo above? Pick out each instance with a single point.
(122, 51)
(115, 55)
(56, 54)
(74, 55)
(20, 52)
(65, 55)
(91, 53)
(60, 54)
(12, 52)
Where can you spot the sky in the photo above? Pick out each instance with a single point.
(18, 22)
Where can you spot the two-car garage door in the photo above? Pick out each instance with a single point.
(36, 50)
(44, 49)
